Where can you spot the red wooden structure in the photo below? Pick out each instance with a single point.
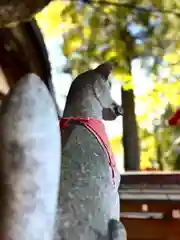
(150, 205)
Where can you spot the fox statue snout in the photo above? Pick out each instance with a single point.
(110, 114)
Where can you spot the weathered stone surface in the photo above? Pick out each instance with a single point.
(29, 162)
(14, 11)
(116, 230)
(88, 199)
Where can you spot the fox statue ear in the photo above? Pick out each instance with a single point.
(104, 70)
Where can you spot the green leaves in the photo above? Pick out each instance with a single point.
(143, 18)
(109, 54)
(95, 21)
(71, 43)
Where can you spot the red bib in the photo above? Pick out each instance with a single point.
(98, 129)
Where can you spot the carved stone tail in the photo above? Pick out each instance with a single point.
(116, 230)
(30, 153)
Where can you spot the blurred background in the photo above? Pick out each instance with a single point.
(142, 39)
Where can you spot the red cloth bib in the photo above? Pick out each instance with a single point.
(175, 118)
(98, 129)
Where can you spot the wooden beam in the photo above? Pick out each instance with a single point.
(148, 206)
(152, 229)
(149, 178)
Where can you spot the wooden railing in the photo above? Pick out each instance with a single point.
(150, 205)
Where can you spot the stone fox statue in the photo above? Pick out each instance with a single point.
(89, 199)
(30, 154)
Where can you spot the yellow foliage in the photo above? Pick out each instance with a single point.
(116, 144)
(128, 85)
(50, 21)
(72, 45)
(172, 58)
(147, 154)
(176, 69)
(109, 55)
(86, 32)
(119, 74)
(145, 160)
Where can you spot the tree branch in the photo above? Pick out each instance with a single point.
(134, 7)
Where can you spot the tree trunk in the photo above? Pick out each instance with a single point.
(130, 132)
